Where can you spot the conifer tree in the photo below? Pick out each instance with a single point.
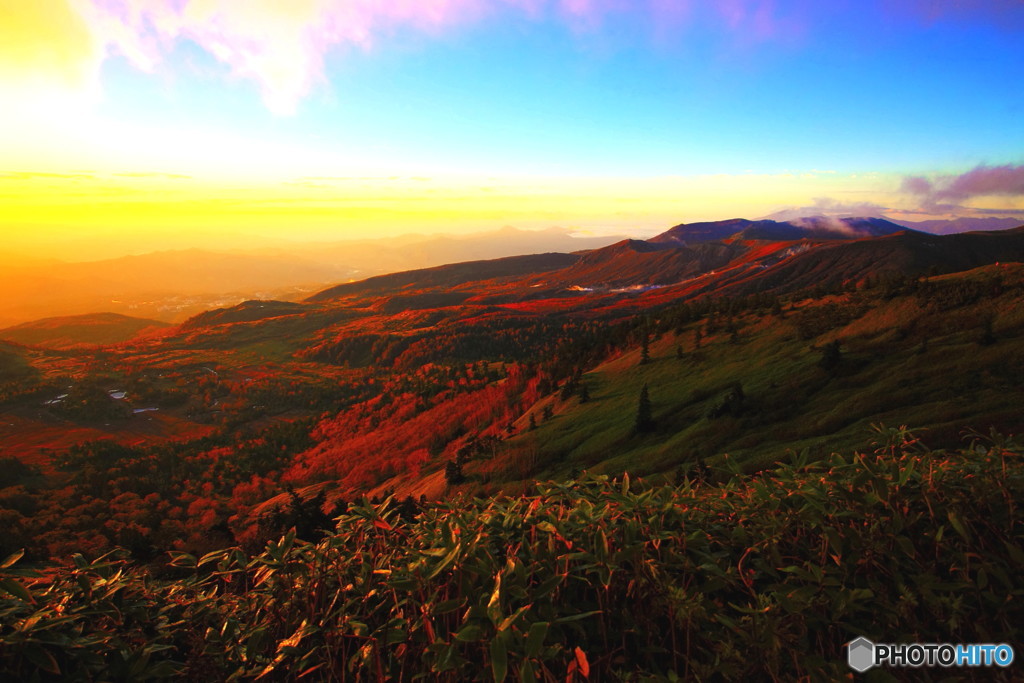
(644, 417)
(987, 336)
(453, 473)
(831, 356)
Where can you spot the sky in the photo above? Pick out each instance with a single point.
(130, 125)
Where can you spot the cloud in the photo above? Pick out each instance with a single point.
(830, 208)
(947, 191)
(282, 46)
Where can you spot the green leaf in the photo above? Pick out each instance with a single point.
(165, 669)
(295, 638)
(470, 633)
(548, 585)
(509, 620)
(526, 672)
(404, 583)
(906, 545)
(445, 561)
(576, 617)
(834, 540)
(499, 659)
(17, 589)
(602, 544)
(958, 526)
(215, 556)
(12, 558)
(494, 604)
(448, 606)
(42, 658)
(906, 472)
(255, 641)
(535, 638)
(726, 621)
(1016, 554)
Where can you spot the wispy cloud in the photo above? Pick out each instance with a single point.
(283, 46)
(830, 208)
(948, 191)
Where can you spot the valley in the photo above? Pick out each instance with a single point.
(752, 345)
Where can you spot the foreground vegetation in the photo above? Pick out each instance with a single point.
(719, 575)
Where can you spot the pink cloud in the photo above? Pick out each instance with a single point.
(980, 181)
(282, 46)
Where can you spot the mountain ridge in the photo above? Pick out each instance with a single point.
(91, 329)
(810, 227)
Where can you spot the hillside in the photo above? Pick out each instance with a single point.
(449, 276)
(483, 376)
(954, 225)
(70, 331)
(904, 253)
(643, 263)
(751, 384)
(736, 377)
(13, 363)
(245, 312)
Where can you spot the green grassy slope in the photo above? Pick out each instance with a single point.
(13, 364)
(909, 360)
(70, 331)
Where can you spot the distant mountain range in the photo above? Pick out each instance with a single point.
(171, 286)
(953, 225)
(729, 257)
(813, 227)
(454, 274)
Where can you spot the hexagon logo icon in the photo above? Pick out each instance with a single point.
(860, 654)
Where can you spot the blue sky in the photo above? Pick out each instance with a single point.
(863, 89)
(590, 114)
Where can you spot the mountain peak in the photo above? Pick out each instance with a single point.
(809, 227)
